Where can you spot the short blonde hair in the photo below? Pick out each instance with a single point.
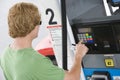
(22, 19)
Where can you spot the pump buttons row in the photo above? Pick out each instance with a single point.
(86, 37)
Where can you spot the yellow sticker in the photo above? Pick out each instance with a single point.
(109, 62)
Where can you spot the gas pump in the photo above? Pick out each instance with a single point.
(101, 34)
(102, 37)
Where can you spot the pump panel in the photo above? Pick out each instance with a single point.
(102, 37)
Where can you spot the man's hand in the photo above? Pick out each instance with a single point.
(74, 72)
(81, 49)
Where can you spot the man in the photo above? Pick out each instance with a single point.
(20, 61)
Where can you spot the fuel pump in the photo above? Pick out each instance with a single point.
(102, 37)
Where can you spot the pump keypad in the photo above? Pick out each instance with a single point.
(86, 37)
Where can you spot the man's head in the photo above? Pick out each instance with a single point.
(22, 19)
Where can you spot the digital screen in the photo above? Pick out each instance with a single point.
(84, 30)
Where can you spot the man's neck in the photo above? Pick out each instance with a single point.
(20, 43)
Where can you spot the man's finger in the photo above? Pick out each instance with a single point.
(80, 42)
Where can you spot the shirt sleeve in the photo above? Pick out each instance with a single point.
(48, 71)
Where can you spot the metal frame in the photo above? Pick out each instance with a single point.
(64, 34)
